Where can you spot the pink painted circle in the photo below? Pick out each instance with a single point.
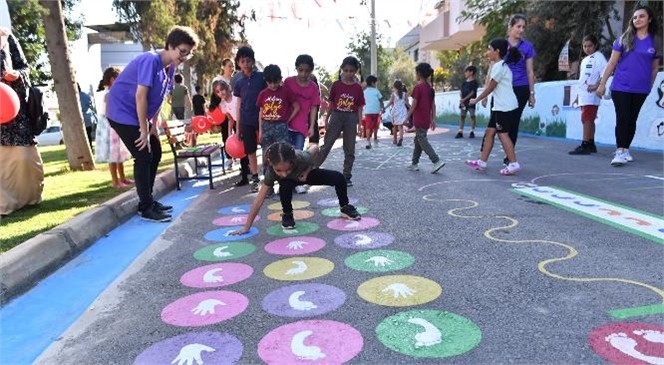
(202, 309)
(293, 246)
(628, 342)
(216, 275)
(311, 342)
(233, 220)
(348, 225)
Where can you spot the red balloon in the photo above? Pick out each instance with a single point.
(9, 103)
(200, 124)
(218, 117)
(235, 147)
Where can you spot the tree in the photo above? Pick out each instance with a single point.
(403, 68)
(28, 27)
(79, 154)
(360, 47)
(470, 54)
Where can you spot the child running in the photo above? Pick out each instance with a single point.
(291, 168)
(110, 148)
(399, 103)
(346, 104)
(505, 111)
(423, 112)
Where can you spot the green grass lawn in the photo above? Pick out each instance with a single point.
(69, 193)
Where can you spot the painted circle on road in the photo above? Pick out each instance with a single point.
(429, 333)
(216, 275)
(298, 268)
(235, 209)
(233, 220)
(224, 252)
(205, 308)
(341, 224)
(297, 214)
(334, 202)
(364, 240)
(210, 347)
(311, 342)
(297, 204)
(336, 212)
(304, 300)
(300, 229)
(399, 290)
(221, 234)
(293, 246)
(379, 261)
(629, 343)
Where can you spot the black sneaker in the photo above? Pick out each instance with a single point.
(154, 215)
(348, 182)
(242, 182)
(255, 186)
(592, 147)
(349, 212)
(471, 135)
(287, 221)
(583, 149)
(506, 161)
(161, 207)
(459, 135)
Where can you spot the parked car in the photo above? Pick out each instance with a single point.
(50, 136)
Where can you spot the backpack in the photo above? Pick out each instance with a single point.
(37, 117)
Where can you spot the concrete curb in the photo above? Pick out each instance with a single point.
(27, 264)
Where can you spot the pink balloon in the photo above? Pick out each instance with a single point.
(9, 103)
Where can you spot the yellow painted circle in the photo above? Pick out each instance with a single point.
(297, 204)
(297, 214)
(298, 268)
(399, 290)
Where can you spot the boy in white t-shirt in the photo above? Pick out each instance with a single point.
(504, 113)
(590, 72)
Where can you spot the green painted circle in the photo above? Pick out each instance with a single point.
(429, 333)
(224, 251)
(379, 261)
(335, 212)
(300, 229)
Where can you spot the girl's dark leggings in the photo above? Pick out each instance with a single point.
(628, 106)
(316, 177)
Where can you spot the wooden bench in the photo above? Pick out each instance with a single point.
(175, 131)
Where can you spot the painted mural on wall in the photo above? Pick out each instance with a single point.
(556, 114)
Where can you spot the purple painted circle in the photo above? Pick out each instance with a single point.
(304, 300)
(233, 220)
(293, 246)
(341, 224)
(213, 348)
(311, 342)
(216, 275)
(202, 309)
(364, 240)
(334, 202)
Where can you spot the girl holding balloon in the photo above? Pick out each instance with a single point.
(21, 168)
(223, 102)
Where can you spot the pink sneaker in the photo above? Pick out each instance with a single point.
(510, 169)
(476, 165)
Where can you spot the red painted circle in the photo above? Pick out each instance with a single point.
(629, 343)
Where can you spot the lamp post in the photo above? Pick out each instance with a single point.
(374, 54)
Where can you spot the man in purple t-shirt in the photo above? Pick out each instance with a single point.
(133, 107)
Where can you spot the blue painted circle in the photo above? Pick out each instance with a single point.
(235, 209)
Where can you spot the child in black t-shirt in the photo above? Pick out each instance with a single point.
(468, 91)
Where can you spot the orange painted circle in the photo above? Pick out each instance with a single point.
(297, 214)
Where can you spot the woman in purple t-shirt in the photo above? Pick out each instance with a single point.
(133, 107)
(634, 59)
(523, 74)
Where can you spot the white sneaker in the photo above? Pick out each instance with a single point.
(628, 156)
(619, 159)
(301, 189)
(511, 169)
(413, 168)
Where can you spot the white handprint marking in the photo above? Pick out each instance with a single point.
(301, 305)
(207, 307)
(190, 353)
(301, 267)
(400, 290)
(627, 346)
(362, 240)
(211, 277)
(304, 352)
(219, 252)
(296, 245)
(431, 335)
(237, 220)
(352, 224)
(237, 210)
(379, 261)
(651, 335)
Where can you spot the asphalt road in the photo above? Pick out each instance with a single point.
(561, 263)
